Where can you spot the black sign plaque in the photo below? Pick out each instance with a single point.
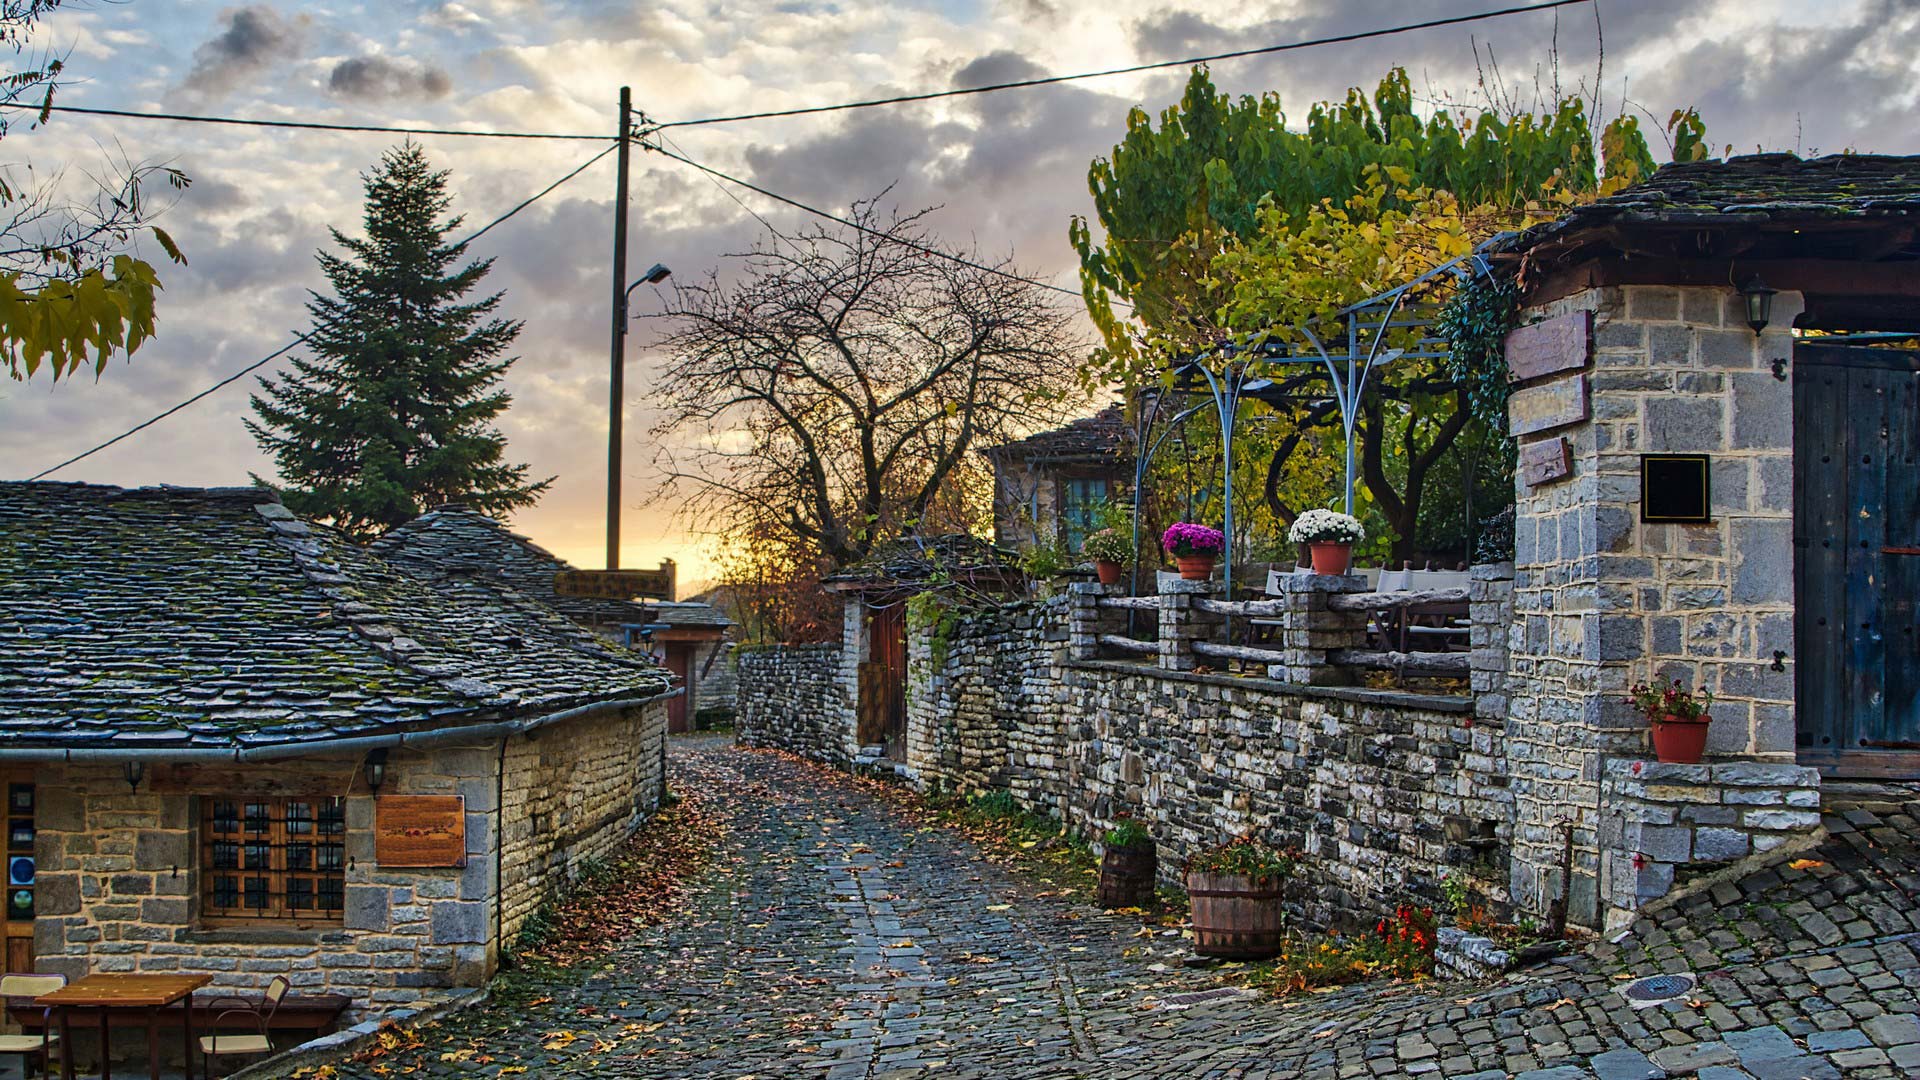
(1676, 488)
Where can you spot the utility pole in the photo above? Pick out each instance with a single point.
(617, 374)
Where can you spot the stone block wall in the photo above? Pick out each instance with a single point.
(718, 680)
(119, 886)
(796, 698)
(1603, 600)
(1669, 824)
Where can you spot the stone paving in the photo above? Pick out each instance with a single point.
(837, 937)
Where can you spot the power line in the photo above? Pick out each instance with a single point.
(307, 125)
(303, 338)
(855, 225)
(1048, 80)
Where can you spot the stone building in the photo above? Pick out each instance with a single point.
(690, 639)
(236, 743)
(1046, 485)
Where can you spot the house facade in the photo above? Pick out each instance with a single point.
(1046, 486)
(236, 743)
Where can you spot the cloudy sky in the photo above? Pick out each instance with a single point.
(1008, 168)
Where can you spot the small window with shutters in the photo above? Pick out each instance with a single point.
(278, 859)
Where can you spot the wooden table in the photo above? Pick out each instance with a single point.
(110, 992)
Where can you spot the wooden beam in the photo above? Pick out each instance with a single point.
(1832, 277)
(1396, 661)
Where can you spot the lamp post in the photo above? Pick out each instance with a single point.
(616, 404)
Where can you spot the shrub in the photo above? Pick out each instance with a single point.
(1128, 833)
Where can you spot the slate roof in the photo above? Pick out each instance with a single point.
(1103, 437)
(211, 617)
(1753, 190)
(457, 541)
(911, 560)
(686, 613)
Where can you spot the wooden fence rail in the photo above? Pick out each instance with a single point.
(1402, 661)
(1127, 644)
(1394, 601)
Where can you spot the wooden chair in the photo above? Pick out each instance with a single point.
(29, 1047)
(250, 1044)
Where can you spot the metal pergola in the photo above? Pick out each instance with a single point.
(1238, 374)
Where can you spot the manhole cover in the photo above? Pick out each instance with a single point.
(1657, 989)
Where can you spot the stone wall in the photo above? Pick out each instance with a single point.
(718, 681)
(1382, 791)
(1604, 600)
(118, 884)
(795, 698)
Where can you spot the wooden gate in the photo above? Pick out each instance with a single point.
(1857, 558)
(679, 660)
(883, 681)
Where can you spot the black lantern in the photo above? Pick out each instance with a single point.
(1759, 303)
(376, 769)
(135, 770)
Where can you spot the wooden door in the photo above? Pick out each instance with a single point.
(679, 660)
(18, 788)
(1857, 558)
(882, 712)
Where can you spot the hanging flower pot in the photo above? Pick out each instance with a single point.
(1679, 742)
(1195, 548)
(1331, 536)
(1679, 719)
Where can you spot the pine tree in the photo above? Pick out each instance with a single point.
(393, 414)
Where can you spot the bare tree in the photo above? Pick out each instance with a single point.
(835, 390)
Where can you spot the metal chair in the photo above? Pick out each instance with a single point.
(21, 989)
(249, 1044)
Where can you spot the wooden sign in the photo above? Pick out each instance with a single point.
(1548, 347)
(420, 830)
(1545, 462)
(617, 584)
(1552, 404)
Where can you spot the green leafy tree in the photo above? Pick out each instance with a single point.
(394, 413)
(71, 292)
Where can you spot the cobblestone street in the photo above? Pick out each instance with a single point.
(838, 937)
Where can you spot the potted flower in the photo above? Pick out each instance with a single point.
(1679, 718)
(1111, 554)
(1331, 535)
(1195, 548)
(1237, 890)
(1128, 866)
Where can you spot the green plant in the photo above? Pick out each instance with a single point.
(1109, 545)
(1245, 856)
(994, 806)
(1127, 833)
(1047, 559)
(1459, 897)
(1475, 322)
(1674, 701)
(930, 612)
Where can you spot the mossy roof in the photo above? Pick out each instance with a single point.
(212, 617)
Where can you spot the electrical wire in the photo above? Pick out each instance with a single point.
(302, 338)
(307, 125)
(855, 225)
(1049, 80)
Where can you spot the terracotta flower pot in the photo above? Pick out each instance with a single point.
(1677, 741)
(1331, 558)
(1195, 567)
(1108, 571)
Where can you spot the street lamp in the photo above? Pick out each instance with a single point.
(616, 405)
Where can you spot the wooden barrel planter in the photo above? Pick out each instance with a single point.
(1236, 917)
(1127, 876)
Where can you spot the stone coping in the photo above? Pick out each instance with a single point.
(1441, 703)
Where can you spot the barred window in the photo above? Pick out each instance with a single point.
(273, 858)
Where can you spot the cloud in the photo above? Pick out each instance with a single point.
(253, 38)
(382, 78)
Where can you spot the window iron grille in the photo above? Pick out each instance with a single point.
(274, 858)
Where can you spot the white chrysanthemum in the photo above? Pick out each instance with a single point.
(1326, 527)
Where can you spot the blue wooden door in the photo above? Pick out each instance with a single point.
(1857, 558)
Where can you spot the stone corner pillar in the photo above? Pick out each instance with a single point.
(1181, 624)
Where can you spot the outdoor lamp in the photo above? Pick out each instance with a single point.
(135, 771)
(376, 769)
(1759, 303)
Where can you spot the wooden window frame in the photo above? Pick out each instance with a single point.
(278, 841)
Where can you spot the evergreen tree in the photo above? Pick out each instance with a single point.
(394, 412)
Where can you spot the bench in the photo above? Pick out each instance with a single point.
(311, 1014)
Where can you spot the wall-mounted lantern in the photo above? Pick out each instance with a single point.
(376, 769)
(135, 771)
(1759, 300)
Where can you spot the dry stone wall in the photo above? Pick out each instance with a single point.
(795, 698)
